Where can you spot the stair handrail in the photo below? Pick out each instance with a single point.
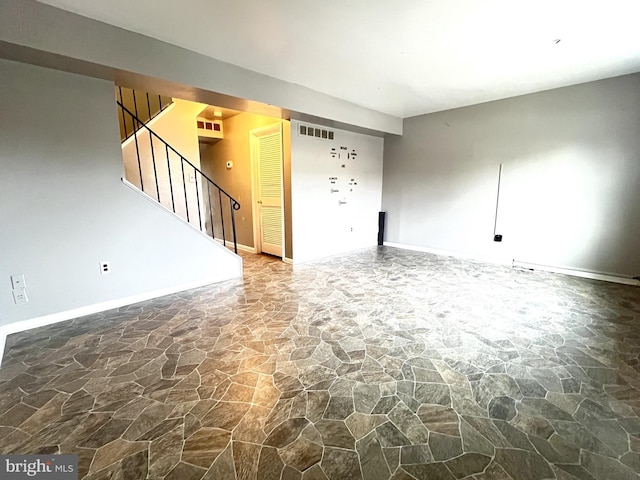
(233, 203)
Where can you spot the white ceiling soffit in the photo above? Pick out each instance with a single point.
(401, 57)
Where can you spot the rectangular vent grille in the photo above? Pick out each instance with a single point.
(306, 130)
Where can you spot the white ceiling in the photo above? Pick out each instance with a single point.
(402, 57)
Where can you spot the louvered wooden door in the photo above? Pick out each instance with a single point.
(270, 191)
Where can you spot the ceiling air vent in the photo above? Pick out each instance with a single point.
(306, 130)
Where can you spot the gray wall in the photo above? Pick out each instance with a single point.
(570, 192)
(40, 34)
(64, 208)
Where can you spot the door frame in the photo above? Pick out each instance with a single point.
(254, 134)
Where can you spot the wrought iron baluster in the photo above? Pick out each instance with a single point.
(233, 224)
(233, 205)
(135, 108)
(148, 106)
(173, 203)
(224, 238)
(184, 187)
(155, 171)
(210, 208)
(135, 139)
(195, 176)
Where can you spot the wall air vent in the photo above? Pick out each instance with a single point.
(209, 130)
(307, 131)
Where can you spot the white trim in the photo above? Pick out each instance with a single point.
(148, 124)
(287, 260)
(36, 322)
(604, 276)
(244, 248)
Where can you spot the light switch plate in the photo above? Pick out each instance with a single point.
(17, 281)
(20, 296)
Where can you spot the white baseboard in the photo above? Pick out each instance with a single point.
(44, 320)
(330, 255)
(243, 248)
(287, 260)
(604, 276)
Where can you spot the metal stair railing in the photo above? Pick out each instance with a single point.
(213, 191)
(155, 104)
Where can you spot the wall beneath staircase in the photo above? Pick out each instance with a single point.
(177, 126)
(64, 208)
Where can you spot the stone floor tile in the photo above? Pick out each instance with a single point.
(245, 459)
(440, 419)
(204, 446)
(431, 471)
(523, 465)
(270, 465)
(493, 472)
(301, 454)
(382, 363)
(502, 408)
(390, 436)
(114, 452)
(184, 471)
(372, 460)
(415, 454)
(468, 464)
(573, 471)
(223, 467)
(401, 474)
(225, 415)
(314, 473)
(338, 408)
(335, 434)
(339, 464)
(444, 447)
(286, 432)
(360, 424)
(604, 468)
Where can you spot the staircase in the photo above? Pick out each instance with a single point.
(169, 178)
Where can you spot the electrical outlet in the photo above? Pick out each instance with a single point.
(20, 296)
(105, 267)
(17, 281)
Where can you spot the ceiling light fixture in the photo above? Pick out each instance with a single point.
(217, 113)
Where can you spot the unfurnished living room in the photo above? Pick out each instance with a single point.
(300, 240)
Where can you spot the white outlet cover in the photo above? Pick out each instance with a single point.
(20, 296)
(105, 267)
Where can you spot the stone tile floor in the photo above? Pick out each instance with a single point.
(379, 364)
